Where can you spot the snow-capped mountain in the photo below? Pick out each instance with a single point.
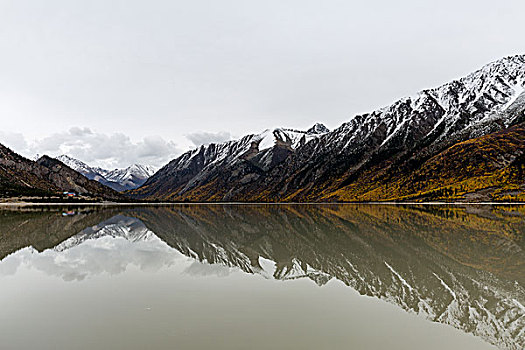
(387, 147)
(396, 140)
(118, 179)
(131, 177)
(91, 173)
(469, 107)
(236, 161)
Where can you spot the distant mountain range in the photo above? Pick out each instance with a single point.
(462, 141)
(118, 179)
(50, 177)
(415, 149)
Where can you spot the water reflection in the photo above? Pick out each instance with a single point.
(461, 266)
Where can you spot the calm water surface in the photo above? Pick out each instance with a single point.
(262, 277)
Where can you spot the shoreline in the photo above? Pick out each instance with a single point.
(119, 204)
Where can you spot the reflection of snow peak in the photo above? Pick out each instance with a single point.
(108, 247)
(128, 228)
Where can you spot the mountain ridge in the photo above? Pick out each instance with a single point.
(118, 179)
(246, 159)
(395, 141)
(384, 155)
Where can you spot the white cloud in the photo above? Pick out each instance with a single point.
(15, 141)
(109, 151)
(203, 138)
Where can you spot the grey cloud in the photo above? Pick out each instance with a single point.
(203, 138)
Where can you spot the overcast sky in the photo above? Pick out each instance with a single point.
(115, 82)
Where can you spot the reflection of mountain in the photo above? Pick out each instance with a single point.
(107, 246)
(457, 266)
(43, 229)
(128, 228)
(452, 267)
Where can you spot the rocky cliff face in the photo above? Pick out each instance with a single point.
(391, 142)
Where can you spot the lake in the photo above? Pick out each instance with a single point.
(262, 277)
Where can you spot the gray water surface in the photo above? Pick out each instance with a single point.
(263, 277)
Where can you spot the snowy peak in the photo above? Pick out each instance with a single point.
(289, 137)
(318, 129)
(247, 146)
(469, 107)
(494, 85)
(135, 170)
(144, 170)
(131, 177)
(118, 179)
(81, 167)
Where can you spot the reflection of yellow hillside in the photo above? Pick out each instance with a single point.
(452, 264)
(482, 237)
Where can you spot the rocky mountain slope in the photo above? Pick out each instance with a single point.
(118, 179)
(488, 168)
(21, 176)
(45, 177)
(210, 170)
(65, 178)
(388, 146)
